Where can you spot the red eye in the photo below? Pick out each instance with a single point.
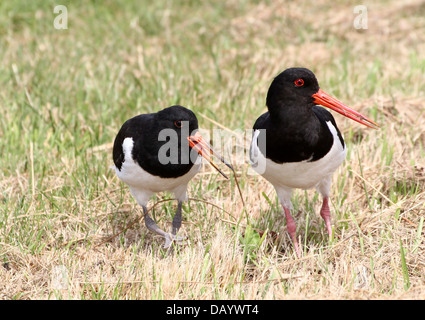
(299, 82)
(178, 124)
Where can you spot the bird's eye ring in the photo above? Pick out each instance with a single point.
(178, 123)
(299, 82)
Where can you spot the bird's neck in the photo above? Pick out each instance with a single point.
(291, 117)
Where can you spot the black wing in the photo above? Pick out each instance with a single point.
(261, 121)
(131, 128)
(308, 142)
(324, 115)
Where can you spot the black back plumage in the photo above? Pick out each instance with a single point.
(145, 129)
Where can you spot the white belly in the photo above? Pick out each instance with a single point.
(143, 184)
(304, 174)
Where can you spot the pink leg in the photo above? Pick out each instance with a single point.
(325, 212)
(291, 227)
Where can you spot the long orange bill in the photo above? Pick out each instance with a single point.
(198, 143)
(326, 100)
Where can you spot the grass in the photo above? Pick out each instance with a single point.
(65, 93)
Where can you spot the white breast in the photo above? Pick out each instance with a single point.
(143, 184)
(304, 174)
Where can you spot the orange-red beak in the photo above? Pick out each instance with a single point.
(326, 100)
(198, 143)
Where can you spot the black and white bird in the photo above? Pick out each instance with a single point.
(161, 152)
(297, 144)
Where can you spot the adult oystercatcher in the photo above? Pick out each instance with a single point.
(297, 144)
(161, 152)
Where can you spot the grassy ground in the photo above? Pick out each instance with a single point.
(65, 93)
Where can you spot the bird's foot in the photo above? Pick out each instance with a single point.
(170, 238)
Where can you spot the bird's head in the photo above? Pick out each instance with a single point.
(298, 87)
(177, 118)
(294, 85)
(184, 123)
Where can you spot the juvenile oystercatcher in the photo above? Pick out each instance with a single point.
(161, 152)
(296, 144)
